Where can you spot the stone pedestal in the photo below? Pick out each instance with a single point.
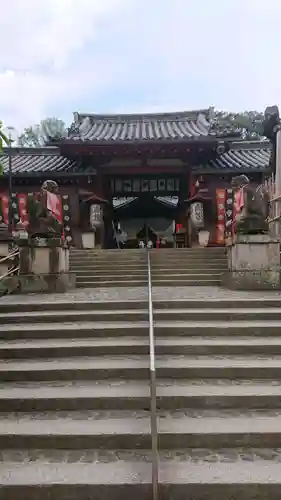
(6, 241)
(44, 266)
(4, 251)
(253, 263)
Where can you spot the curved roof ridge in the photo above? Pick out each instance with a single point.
(124, 117)
(250, 144)
(40, 150)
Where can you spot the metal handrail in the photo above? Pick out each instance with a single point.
(15, 267)
(153, 405)
(9, 256)
(11, 271)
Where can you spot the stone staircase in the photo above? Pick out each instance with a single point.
(109, 268)
(218, 372)
(170, 267)
(74, 401)
(74, 398)
(188, 266)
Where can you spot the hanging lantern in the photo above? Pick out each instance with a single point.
(197, 214)
(96, 216)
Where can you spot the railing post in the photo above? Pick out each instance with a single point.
(152, 370)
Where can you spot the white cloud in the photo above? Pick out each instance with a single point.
(39, 40)
(120, 55)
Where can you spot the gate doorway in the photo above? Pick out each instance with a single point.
(145, 220)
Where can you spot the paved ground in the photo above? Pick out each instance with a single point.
(138, 293)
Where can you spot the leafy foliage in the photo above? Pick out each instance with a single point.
(245, 125)
(42, 133)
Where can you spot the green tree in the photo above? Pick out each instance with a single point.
(40, 134)
(247, 124)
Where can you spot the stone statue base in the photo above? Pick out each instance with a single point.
(43, 267)
(252, 224)
(253, 263)
(6, 242)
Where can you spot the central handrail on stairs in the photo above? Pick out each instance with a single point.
(153, 405)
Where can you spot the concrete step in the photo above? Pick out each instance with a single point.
(82, 304)
(221, 302)
(207, 302)
(59, 348)
(217, 366)
(77, 315)
(80, 278)
(66, 330)
(219, 314)
(120, 273)
(217, 328)
(184, 475)
(132, 268)
(104, 329)
(73, 476)
(91, 283)
(96, 271)
(76, 431)
(65, 305)
(187, 271)
(182, 277)
(103, 259)
(136, 367)
(142, 256)
(163, 253)
(37, 348)
(127, 430)
(211, 281)
(217, 394)
(177, 430)
(233, 346)
(134, 395)
(141, 262)
(188, 275)
(213, 478)
(109, 251)
(153, 251)
(76, 368)
(79, 395)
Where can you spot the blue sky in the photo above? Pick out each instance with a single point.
(100, 56)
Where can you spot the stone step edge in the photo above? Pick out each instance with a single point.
(160, 304)
(172, 424)
(119, 473)
(161, 326)
(35, 315)
(188, 363)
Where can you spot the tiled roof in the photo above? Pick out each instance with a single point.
(244, 155)
(140, 127)
(37, 161)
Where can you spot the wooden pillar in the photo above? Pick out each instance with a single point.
(72, 191)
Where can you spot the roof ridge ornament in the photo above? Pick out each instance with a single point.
(271, 126)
